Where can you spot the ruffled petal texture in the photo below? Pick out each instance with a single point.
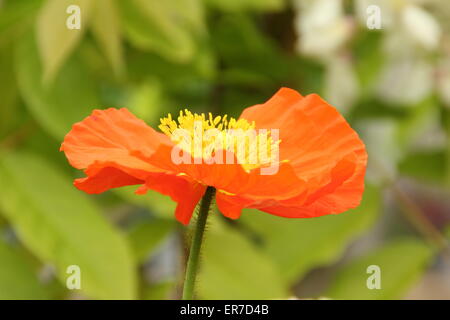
(104, 145)
(320, 171)
(322, 149)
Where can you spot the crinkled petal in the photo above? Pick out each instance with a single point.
(230, 206)
(106, 178)
(322, 148)
(231, 177)
(110, 136)
(186, 193)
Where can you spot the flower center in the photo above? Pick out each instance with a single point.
(204, 136)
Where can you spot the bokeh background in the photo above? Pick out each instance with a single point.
(155, 57)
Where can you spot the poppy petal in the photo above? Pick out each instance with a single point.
(321, 147)
(186, 193)
(105, 179)
(314, 136)
(230, 209)
(110, 136)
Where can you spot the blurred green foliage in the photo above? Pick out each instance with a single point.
(400, 271)
(156, 57)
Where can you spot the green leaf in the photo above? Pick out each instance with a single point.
(55, 40)
(62, 227)
(401, 263)
(146, 236)
(190, 13)
(106, 28)
(159, 291)
(15, 17)
(2, 222)
(18, 280)
(246, 49)
(299, 245)
(424, 166)
(156, 202)
(8, 92)
(160, 26)
(240, 5)
(369, 58)
(423, 119)
(70, 99)
(146, 101)
(234, 268)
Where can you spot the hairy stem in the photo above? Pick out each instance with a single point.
(194, 252)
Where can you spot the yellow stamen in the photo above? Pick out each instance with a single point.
(202, 135)
(226, 192)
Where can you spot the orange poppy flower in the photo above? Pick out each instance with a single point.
(320, 160)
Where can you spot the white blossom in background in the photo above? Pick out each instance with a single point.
(321, 26)
(406, 80)
(379, 136)
(407, 76)
(410, 32)
(429, 136)
(421, 26)
(396, 44)
(443, 80)
(408, 73)
(341, 83)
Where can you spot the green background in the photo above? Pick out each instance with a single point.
(220, 56)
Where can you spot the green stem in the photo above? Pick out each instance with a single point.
(194, 252)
